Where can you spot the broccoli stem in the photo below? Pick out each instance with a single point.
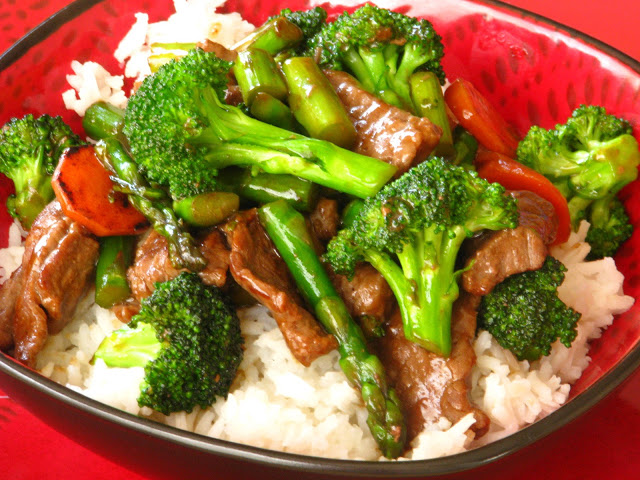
(428, 102)
(315, 104)
(103, 120)
(129, 347)
(275, 150)
(156, 207)
(266, 187)
(273, 36)
(272, 111)
(116, 254)
(256, 71)
(287, 229)
(206, 209)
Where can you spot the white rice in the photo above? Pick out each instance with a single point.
(275, 402)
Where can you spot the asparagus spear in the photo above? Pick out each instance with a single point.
(287, 229)
(116, 254)
(152, 203)
(256, 71)
(315, 104)
(428, 101)
(273, 36)
(206, 209)
(271, 110)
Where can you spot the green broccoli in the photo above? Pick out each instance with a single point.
(589, 158)
(525, 315)
(309, 21)
(187, 338)
(422, 219)
(382, 49)
(30, 149)
(181, 133)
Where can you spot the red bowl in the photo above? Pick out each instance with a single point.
(534, 71)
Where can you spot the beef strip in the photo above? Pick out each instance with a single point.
(367, 294)
(498, 255)
(9, 293)
(383, 131)
(428, 384)
(59, 259)
(325, 219)
(218, 50)
(258, 268)
(152, 264)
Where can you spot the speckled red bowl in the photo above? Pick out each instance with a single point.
(533, 70)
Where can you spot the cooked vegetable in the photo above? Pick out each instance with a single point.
(315, 104)
(525, 315)
(153, 203)
(256, 71)
(103, 120)
(30, 149)
(381, 48)
(86, 194)
(181, 134)
(187, 338)
(207, 209)
(116, 254)
(513, 175)
(288, 230)
(428, 100)
(480, 118)
(271, 110)
(276, 34)
(465, 147)
(589, 158)
(422, 219)
(266, 187)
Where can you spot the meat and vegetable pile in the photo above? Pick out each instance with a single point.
(320, 169)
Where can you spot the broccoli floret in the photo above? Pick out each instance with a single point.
(187, 338)
(381, 49)
(610, 228)
(422, 219)
(525, 315)
(30, 149)
(589, 158)
(181, 133)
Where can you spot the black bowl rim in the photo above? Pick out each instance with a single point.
(439, 466)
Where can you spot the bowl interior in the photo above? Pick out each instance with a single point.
(532, 70)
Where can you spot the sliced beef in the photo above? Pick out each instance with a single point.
(59, 259)
(325, 219)
(9, 293)
(383, 131)
(502, 254)
(367, 294)
(537, 214)
(427, 384)
(258, 268)
(152, 263)
(498, 255)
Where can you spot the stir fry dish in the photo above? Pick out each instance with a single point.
(324, 176)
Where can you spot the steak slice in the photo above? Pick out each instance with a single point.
(256, 266)
(57, 266)
(428, 385)
(383, 131)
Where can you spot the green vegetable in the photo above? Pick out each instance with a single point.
(381, 48)
(187, 338)
(103, 120)
(207, 209)
(525, 315)
(267, 187)
(428, 100)
(181, 133)
(30, 149)
(276, 34)
(272, 111)
(153, 203)
(256, 71)
(315, 104)
(287, 229)
(411, 232)
(589, 158)
(116, 254)
(465, 147)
